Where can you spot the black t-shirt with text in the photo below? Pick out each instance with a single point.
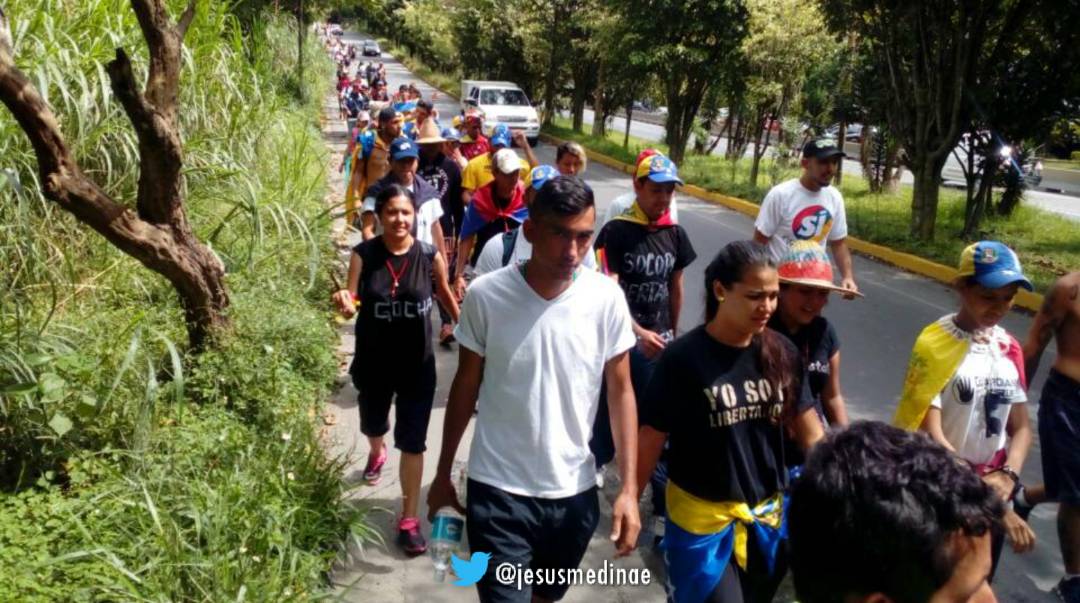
(444, 175)
(722, 417)
(817, 343)
(393, 325)
(644, 259)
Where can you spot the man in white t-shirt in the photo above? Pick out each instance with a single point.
(404, 159)
(536, 340)
(511, 247)
(809, 208)
(623, 202)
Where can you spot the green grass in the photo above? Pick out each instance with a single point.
(1062, 164)
(1048, 244)
(130, 470)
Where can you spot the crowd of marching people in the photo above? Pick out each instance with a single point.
(571, 356)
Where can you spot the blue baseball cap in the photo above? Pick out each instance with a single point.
(403, 148)
(450, 134)
(541, 174)
(993, 265)
(500, 136)
(659, 169)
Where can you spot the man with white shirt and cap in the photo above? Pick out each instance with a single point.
(809, 208)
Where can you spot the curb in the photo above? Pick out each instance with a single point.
(905, 261)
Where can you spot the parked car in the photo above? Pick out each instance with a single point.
(371, 49)
(852, 134)
(502, 103)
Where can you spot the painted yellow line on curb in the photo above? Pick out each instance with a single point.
(900, 259)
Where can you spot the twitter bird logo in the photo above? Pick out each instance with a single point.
(469, 572)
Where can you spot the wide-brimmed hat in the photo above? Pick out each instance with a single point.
(807, 264)
(429, 133)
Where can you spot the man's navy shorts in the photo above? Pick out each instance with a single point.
(537, 533)
(1059, 438)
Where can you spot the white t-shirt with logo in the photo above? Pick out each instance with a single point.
(544, 362)
(491, 255)
(793, 212)
(976, 401)
(624, 201)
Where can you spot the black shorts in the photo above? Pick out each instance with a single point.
(415, 391)
(1059, 437)
(537, 533)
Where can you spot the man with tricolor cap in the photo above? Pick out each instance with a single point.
(809, 208)
(478, 172)
(965, 385)
(473, 142)
(370, 162)
(496, 208)
(646, 253)
(625, 200)
(1059, 422)
(511, 247)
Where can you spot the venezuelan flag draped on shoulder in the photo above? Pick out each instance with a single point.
(942, 346)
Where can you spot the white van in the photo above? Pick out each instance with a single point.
(502, 103)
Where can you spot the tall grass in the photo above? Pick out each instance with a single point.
(128, 470)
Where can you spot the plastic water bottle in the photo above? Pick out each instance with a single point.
(446, 532)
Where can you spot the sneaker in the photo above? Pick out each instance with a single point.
(409, 537)
(1068, 590)
(446, 335)
(373, 471)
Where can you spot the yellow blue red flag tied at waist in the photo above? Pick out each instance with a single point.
(702, 535)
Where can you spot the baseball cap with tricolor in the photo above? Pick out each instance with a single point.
(541, 174)
(993, 265)
(659, 169)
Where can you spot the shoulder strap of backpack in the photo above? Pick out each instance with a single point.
(508, 240)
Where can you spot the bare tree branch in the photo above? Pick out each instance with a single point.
(6, 45)
(185, 20)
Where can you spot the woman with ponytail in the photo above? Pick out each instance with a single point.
(724, 394)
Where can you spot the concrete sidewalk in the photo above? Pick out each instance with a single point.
(379, 572)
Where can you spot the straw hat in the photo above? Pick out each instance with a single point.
(429, 132)
(806, 263)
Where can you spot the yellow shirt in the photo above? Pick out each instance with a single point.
(478, 173)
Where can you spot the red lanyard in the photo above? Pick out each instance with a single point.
(396, 275)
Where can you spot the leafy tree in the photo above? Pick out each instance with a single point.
(931, 55)
(687, 44)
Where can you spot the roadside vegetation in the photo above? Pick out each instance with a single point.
(131, 469)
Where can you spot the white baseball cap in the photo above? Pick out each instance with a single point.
(507, 161)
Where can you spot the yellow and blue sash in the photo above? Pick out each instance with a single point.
(702, 535)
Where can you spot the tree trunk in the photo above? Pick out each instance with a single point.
(599, 124)
(578, 109)
(156, 232)
(924, 196)
(759, 148)
(839, 177)
(724, 130)
(553, 67)
(629, 119)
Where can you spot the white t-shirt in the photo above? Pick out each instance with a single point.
(624, 201)
(430, 211)
(792, 212)
(544, 362)
(976, 401)
(491, 255)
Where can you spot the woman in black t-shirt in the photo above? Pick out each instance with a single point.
(724, 394)
(806, 279)
(391, 278)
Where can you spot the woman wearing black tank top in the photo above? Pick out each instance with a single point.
(390, 290)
